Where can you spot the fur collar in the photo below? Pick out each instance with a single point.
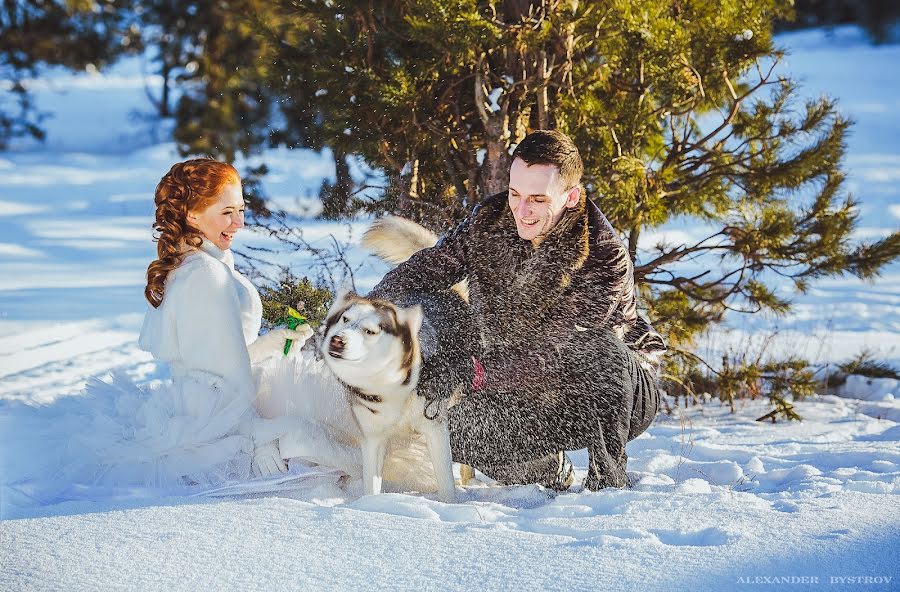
(519, 288)
(565, 249)
(226, 257)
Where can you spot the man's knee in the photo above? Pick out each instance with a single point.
(494, 428)
(472, 439)
(646, 399)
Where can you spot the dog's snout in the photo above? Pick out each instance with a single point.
(336, 345)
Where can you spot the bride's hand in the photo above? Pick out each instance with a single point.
(272, 343)
(298, 335)
(267, 461)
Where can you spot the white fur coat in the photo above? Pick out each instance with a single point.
(208, 316)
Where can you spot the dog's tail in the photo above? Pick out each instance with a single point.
(395, 239)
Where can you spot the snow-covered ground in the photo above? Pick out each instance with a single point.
(720, 501)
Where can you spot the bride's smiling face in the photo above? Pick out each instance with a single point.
(219, 222)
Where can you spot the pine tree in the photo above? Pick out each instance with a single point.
(678, 107)
(73, 34)
(209, 59)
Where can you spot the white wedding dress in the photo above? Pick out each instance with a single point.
(197, 431)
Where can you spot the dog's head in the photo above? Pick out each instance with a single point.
(372, 344)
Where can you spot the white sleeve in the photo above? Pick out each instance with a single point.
(208, 325)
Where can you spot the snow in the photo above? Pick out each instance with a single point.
(869, 389)
(713, 492)
(720, 501)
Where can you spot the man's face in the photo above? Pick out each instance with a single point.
(538, 199)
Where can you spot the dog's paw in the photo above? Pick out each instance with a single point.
(466, 474)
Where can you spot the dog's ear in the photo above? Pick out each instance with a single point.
(412, 316)
(343, 298)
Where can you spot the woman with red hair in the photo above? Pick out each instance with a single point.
(204, 321)
(202, 427)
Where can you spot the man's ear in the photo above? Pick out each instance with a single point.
(573, 197)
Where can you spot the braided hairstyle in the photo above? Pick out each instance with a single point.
(189, 186)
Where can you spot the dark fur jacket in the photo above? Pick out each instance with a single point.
(526, 300)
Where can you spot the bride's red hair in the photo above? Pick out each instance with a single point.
(189, 186)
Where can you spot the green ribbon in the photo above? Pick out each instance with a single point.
(293, 320)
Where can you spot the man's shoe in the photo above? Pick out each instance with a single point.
(554, 471)
(562, 474)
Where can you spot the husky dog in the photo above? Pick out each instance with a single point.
(372, 347)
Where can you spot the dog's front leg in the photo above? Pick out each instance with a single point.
(437, 437)
(373, 448)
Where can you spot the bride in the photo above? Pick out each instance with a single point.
(204, 321)
(203, 427)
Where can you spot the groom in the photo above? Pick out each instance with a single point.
(559, 358)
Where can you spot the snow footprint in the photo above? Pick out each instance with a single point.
(708, 537)
(834, 534)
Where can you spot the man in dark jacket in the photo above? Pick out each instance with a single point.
(557, 358)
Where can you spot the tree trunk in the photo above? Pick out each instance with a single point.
(336, 198)
(166, 73)
(410, 192)
(498, 166)
(633, 237)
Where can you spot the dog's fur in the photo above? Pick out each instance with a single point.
(395, 239)
(372, 347)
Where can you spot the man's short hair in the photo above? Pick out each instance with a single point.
(552, 147)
